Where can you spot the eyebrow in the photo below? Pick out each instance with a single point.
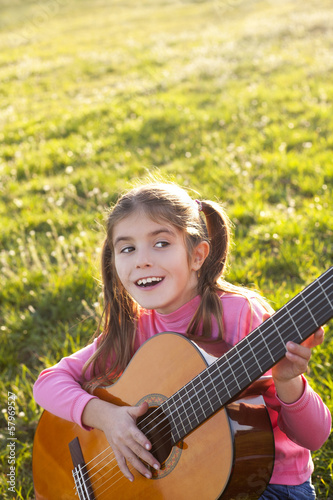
(153, 233)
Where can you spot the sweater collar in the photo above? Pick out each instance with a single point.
(178, 320)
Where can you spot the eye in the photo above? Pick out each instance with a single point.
(127, 249)
(162, 244)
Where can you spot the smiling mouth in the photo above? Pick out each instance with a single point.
(146, 282)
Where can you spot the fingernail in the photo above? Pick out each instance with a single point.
(156, 466)
(148, 476)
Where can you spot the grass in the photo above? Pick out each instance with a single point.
(231, 99)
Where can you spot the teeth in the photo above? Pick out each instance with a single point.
(144, 281)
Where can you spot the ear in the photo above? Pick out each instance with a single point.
(200, 253)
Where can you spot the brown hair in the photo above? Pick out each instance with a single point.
(201, 221)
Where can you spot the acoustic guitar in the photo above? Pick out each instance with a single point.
(208, 426)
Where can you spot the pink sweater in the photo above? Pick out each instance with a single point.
(58, 389)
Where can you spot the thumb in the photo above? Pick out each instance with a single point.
(138, 411)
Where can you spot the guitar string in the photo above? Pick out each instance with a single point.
(161, 430)
(143, 429)
(112, 484)
(122, 477)
(102, 460)
(104, 475)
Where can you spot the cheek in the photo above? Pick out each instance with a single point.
(181, 270)
(118, 269)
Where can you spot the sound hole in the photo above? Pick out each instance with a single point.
(155, 425)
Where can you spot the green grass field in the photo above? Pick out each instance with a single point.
(231, 99)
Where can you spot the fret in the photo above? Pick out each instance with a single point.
(177, 427)
(324, 292)
(277, 344)
(250, 360)
(231, 373)
(267, 347)
(203, 413)
(259, 349)
(322, 308)
(182, 424)
(304, 321)
(204, 396)
(183, 394)
(263, 356)
(169, 411)
(282, 327)
(212, 393)
(241, 360)
(216, 380)
(329, 298)
(309, 310)
(186, 414)
(218, 401)
(228, 373)
(191, 397)
(294, 324)
(241, 376)
(178, 417)
(219, 378)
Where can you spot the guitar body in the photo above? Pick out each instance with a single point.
(229, 456)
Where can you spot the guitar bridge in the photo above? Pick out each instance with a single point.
(81, 478)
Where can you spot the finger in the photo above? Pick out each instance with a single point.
(135, 461)
(316, 339)
(299, 356)
(138, 465)
(138, 411)
(138, 436)
(127, 459)
(141, 410)
(299, 365)
(298, 351)
(144, 455)
(319, 336)
(122, 464)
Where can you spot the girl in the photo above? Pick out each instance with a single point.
(163, 261)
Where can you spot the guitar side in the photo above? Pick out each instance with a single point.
(231, 453)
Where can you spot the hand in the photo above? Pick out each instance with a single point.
(129, 444)
(286, 373)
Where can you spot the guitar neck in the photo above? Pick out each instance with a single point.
(253, 356)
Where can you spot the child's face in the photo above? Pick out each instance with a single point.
(152, 263)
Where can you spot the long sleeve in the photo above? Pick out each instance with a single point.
(58, 389)
(309, 412)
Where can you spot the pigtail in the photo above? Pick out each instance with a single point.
(211, 272)
(218, 227)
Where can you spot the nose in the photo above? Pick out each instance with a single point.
(142, 259)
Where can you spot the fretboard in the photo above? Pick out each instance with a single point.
(253, 356)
